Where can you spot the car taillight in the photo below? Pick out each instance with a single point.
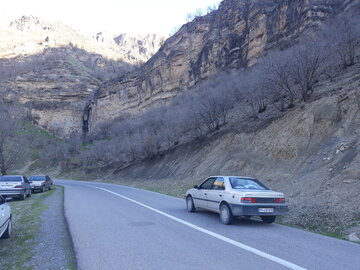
(18, 186)
(280, 200)
(248, 200)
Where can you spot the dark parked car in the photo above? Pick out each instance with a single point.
(17, 186)
(40, 182)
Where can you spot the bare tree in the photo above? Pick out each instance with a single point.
(278, 78)
(308, 62)
(343, 35)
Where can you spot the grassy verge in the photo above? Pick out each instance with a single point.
(17, 251)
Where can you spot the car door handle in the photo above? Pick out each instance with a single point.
(220, 195)
(204, 193)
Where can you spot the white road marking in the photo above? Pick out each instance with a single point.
(218, 236)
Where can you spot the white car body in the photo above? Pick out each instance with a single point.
(252, 198)
(17, 186)
(5, 219)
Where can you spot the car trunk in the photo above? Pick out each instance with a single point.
(9, 185)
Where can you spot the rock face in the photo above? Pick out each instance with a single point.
(54, 71)
(234, 36)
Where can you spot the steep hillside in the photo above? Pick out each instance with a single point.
(311, 153)
(234, 36)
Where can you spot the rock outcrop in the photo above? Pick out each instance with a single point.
(234, 36)
(54, 71)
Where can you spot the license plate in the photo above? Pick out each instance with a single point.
(266, 210)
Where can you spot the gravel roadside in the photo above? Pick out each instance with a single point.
(53, 248)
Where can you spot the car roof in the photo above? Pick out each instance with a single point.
(12, 175)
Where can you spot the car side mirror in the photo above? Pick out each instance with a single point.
(196, 186)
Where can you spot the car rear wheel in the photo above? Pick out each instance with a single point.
(268, 219)
(226, 215)
(190, 204)
(8, 230)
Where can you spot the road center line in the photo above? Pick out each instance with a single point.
(218, 236)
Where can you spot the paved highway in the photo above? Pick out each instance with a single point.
(117, 227)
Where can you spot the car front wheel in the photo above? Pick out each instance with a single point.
(7, 232)
(190, 204)
(268, 219)
(226, 215)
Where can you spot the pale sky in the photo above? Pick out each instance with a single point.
(111, 16)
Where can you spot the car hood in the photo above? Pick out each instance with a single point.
(38, 182)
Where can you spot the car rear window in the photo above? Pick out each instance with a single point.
(246, 183)
(10, 179)
(37, 178)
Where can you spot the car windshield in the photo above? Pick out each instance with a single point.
(10, 179)
(37, 178)
(246, 183)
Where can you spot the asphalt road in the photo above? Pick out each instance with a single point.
(117, 227)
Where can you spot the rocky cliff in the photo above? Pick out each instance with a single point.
(234, 36)
(54, 71)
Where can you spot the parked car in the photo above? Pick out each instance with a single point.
(17, 186)
(236, 196)
(41, 182)
(5, 219)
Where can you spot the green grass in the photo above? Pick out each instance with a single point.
(17, 251)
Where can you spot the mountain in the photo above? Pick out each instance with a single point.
(232, 37)
(53, 70)
(136, 48)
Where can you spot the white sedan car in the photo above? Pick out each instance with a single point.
(236, 196)
(5, 219)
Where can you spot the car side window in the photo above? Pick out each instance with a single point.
(207, 184)
(219, 184)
